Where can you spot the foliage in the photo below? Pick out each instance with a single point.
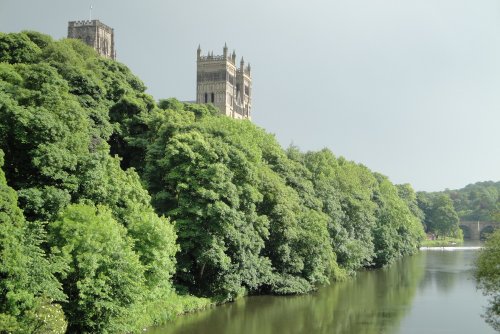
(440, 215)
(17, 48)
(487, 275)
(478, 201)
(369, 223)
(27, 285)
(208, 187)
(233, 190)
(104, 275)
(57, 100)
(406, 192)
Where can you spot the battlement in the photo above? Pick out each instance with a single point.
(210, 57)
(81, 23)
(89, 23)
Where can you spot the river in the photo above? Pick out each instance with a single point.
(430, 292)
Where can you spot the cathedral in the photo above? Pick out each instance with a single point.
(218, 79)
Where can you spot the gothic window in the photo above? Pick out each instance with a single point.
(230, 78)
(206, 97)
(213, 97)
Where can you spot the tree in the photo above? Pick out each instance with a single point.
(443, 219)
(406, 193)
(478, 201)
(487, 276)
(104, 277)
(208, 187)
(29, 290)
(398, 231)
(346, 191)
(17, 48)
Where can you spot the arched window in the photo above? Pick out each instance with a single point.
(213, 97)
(206, 97)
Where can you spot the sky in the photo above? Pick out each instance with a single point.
(411, 89)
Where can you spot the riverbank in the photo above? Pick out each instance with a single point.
(442, 242)
(451, 248)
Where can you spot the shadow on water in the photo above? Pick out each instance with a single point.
(373, 302)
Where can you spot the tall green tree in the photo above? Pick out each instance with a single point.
(345, 190)
(406, 193)
(105, 277)
(29, 291)
(442, 218)
(398, 231)
(219, 232)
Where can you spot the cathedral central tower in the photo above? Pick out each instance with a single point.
(221, 83)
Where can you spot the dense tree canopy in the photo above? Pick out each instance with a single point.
(440, 215)
(114, 205)
(28, 287)
(104, 276)
(57, 101)
(478, 201)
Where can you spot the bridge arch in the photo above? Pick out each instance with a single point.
(487, 230)
(477, 230)
(467, 231)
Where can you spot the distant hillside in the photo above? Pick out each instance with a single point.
(478, 201)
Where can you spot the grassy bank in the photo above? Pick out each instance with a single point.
(442, 242)
(164, 310)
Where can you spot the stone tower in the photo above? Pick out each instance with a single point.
(224, 85)
(95, 34)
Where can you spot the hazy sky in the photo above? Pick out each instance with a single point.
(409, 88)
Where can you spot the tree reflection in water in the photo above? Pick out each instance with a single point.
(372, 302)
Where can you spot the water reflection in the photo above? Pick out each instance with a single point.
(447, 300)
(373, 302)
(412, 296)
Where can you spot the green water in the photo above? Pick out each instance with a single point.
(431, 292)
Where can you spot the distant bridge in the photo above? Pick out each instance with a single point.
(477, 230)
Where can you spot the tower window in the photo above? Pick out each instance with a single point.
(213, 97)
(206, 97)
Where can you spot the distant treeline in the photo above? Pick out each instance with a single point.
(478, 201)
(118, 212)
